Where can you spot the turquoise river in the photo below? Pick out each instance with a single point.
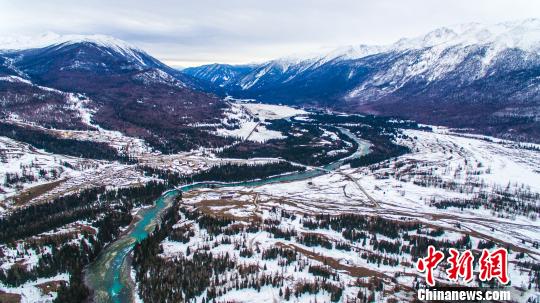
(109, 276)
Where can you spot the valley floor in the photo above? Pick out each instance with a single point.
(410, 190)
(350, 235)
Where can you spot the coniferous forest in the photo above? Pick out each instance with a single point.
(108, 211)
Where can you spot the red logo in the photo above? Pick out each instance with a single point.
(429, 263)
(460, 266)
(492, 265)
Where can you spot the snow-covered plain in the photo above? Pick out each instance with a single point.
(246, 121)
(37, 166)
(474, 165)
(74, 174)
(463, 167)
(31, 293)
(271, 111)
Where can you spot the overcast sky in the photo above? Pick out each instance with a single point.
(188, 33)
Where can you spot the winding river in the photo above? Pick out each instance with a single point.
(109, 276)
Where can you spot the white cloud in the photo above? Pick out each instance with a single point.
(191, 32)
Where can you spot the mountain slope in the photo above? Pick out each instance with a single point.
(219, 74)
(127, 90)
(471, 76)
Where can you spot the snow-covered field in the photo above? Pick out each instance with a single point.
(47, 176)
(27, 256)
(461, 167)
(67, 174)
(246, 121)
(28, 167)
(272, 112)
(33, 292)
(30, 175)
(474, 165)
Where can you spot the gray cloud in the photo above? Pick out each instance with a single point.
(194, 32)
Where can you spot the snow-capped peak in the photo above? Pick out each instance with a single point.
(355, 51)
(523, 34)
(51, 39)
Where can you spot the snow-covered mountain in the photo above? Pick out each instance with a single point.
(440, 51)
(219, 74)
(49, 39)
(90, 53)
(472, 75)
(124, 88)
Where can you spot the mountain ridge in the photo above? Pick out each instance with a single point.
(467, 76)
(125, 89)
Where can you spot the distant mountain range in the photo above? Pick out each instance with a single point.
(485, 78)
(467, 76)
(122, 86)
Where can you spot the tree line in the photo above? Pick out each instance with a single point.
(55, 145)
